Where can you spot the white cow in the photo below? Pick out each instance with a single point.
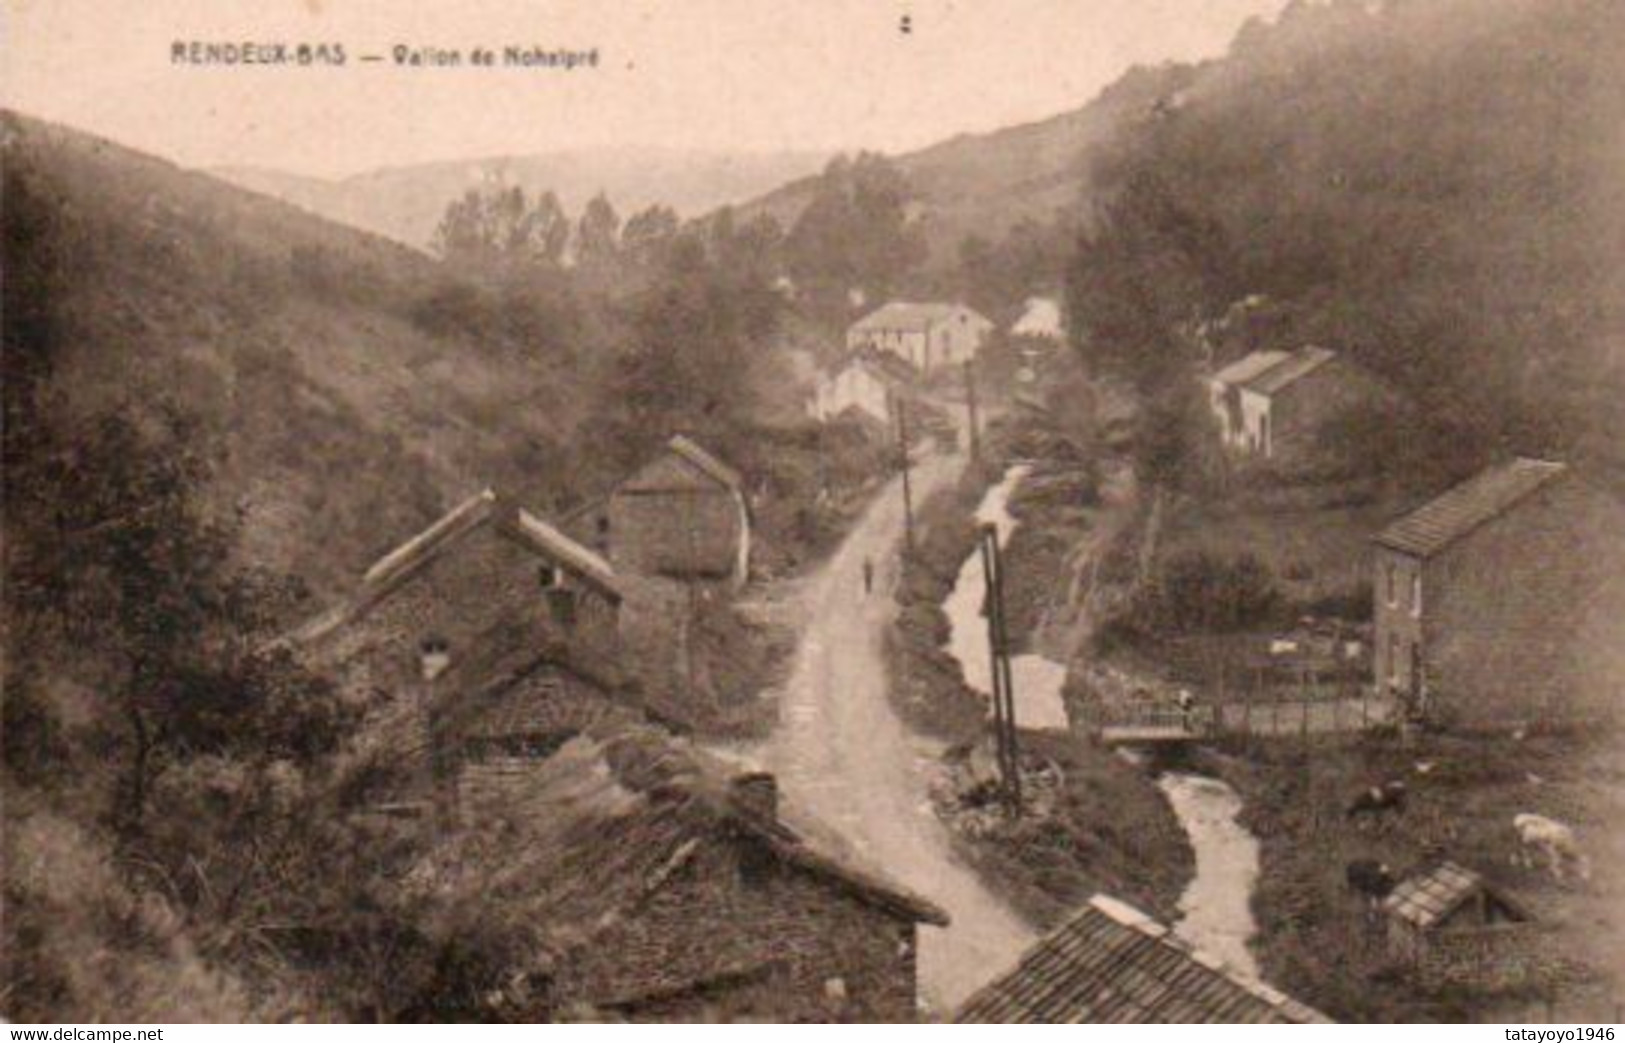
(1555, 840)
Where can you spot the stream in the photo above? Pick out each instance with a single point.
(1037, 681)
(1216, 909)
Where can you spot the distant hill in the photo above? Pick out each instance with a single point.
(983, 184)
(406, 203)
(343, 425)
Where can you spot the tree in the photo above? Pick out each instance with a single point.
(598, 235)
(856, 232)
(498, 225)
(648, 235)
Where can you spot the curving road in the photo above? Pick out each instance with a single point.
(843, 757)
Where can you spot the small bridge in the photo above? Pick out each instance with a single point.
(1152, 723)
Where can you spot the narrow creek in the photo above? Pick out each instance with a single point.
(1216, 908)
(1037, 681)
(1216, 913)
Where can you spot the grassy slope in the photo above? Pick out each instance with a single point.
(1312, 940)
(342, 426)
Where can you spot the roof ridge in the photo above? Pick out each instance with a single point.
(1425, 544)
(706, 461)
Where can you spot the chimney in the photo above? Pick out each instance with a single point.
(434, 657)
(756, 792)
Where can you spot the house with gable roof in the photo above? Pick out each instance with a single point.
(930, 336)
(634, 877)
(1501, 602)
(1270, 406)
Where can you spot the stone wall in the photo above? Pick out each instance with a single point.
(1490, 959)
(690, 532)
(1299, 410)
(483, 587)
(1524, 618)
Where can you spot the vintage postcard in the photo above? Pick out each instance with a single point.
(922, 511)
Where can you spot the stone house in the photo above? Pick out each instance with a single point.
(635, 878)
(485, 567)
(681, 516)
(1270, 406)
(1502, 601)
(1451, 927)
(866, 383)
(1110, 963)
(931, 337)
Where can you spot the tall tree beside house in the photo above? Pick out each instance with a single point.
(855, 233)
(1466, 252)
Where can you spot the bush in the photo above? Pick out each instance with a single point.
(1200, 592)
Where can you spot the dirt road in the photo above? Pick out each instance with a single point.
(843, 757)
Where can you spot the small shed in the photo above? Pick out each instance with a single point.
(682, 515)
(1450, 924)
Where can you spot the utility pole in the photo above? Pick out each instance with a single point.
(1004, 695)
(970, 408)
(908, 490)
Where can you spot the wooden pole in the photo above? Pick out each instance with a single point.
(970, 408)
(908, 490)
(1001, 743)
(1002, 661)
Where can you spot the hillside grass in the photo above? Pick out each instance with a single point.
(1313, 941)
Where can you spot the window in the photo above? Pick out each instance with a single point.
(1393, 592)
(1393, 658)
(1416, 594)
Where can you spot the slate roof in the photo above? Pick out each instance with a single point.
(409, 559)
(911, 315)
(1430, 897)
(586, 834)
(1248, 367)
(1294, 367)
(1110, 963)
(691, 451)
(1460, 510)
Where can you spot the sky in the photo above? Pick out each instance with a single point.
(746, 75)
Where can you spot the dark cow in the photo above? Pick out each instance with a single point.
(1370, 878)
(1390, 796)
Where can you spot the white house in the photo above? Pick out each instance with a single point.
(929, 336)
(1241, 413)
(865, 382)
(1274, 404)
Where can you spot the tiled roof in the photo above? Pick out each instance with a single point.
(910, 315)
(588, 832)
(1112, 963)
(691, 451)
(1429, 897)
(1248, 367)
(1294, 367)
(409, 559)
(1447, 518)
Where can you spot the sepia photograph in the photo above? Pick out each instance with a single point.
(625, 512)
